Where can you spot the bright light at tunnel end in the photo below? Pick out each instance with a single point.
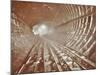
(41, 29)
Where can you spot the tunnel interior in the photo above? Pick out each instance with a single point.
(51, 37)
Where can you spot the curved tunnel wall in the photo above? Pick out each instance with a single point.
(71, 46)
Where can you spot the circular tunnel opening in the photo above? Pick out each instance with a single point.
(41, 29)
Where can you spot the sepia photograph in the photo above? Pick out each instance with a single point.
(52, 37)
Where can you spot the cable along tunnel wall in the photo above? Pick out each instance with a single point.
(70, 46)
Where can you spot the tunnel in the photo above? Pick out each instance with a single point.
(52, 37)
